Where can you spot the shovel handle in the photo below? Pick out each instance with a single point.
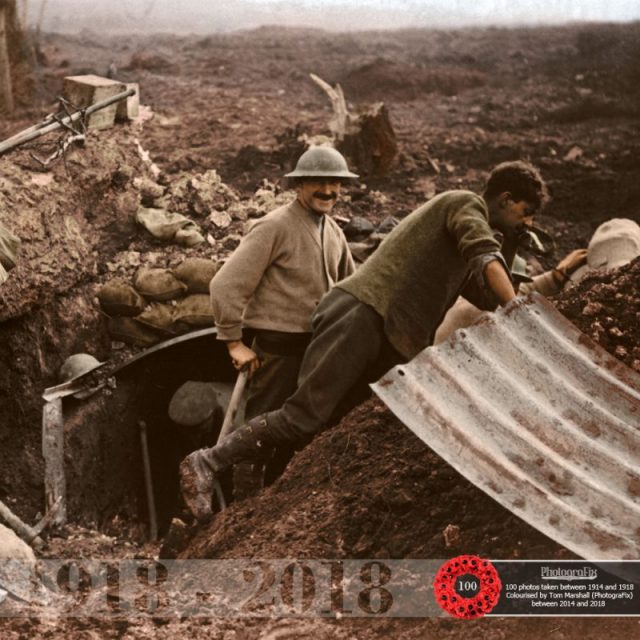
(234, 403)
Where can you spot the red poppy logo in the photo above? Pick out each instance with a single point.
(467, 587)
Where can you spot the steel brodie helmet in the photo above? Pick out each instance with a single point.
(77, 365)
(321, 162)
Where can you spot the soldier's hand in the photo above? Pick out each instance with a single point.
(243, 357)
(572, 261)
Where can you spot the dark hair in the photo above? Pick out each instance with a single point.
(521, 180)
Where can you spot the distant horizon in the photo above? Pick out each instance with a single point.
(200, 17)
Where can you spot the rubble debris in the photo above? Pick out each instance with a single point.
(201, 194)
(265, 199)
(220, 219)
(603, 301)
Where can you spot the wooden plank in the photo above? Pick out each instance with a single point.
(55, 483)
(6, 90)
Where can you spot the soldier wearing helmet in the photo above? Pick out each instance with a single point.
(275, 278)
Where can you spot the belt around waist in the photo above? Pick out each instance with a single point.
(282, 344)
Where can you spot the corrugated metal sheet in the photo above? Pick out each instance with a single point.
(539, 417)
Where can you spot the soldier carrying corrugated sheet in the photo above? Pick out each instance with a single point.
(386, 313)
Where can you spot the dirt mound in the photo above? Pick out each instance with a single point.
(606, 306)
(383, 79)
(369, 488)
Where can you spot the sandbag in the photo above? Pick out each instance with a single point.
(119, 298)
(132, 332)
(9, 245)
(158, 316)
(188, 237)
(194, 311)
(166, 225)
(158, 284)
(614, 243)
(196, 273)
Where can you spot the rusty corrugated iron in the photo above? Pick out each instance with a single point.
(538, 416)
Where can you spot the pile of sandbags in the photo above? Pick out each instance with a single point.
(159, 303)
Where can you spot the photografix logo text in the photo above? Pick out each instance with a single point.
(565, 573)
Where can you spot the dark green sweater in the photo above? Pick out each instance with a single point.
(418, 271)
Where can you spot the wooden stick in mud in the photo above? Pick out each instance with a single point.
(27, 533)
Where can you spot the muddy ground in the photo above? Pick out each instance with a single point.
(565, 98)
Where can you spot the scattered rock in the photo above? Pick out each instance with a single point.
(573, 154)
(230, 242)
(149, 190)
(358, 229)
(220, 219)
(388, 224)
(452, 537)
(201, 194)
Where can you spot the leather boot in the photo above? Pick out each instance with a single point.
(199, 471)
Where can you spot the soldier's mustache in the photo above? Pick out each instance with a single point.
(326, 196)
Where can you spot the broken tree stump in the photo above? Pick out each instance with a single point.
(367, 139)
(373, 147)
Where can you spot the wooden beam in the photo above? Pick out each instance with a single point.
(55, 483)
(6, 91)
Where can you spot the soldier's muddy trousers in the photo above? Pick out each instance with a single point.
(347, 350)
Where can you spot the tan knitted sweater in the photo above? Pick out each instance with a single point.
(277, 275)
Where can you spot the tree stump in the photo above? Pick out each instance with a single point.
(372, 148)
(366, 139)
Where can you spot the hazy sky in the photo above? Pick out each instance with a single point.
(214, 15)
